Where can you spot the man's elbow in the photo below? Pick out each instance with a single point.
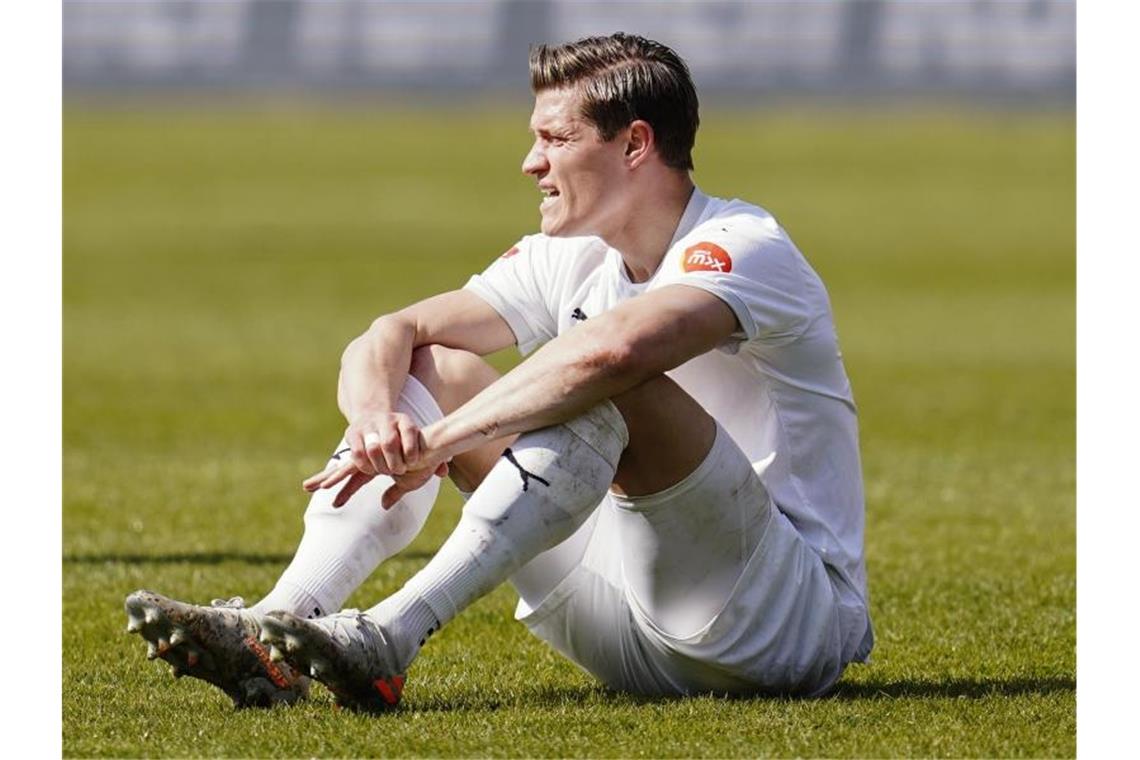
(617, 356)
(384, 329)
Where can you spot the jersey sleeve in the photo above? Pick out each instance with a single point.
(517, 286)
(755, 269)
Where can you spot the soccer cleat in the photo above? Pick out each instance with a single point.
(348, 652)
(218, 644)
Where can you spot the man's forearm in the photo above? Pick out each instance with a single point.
(597, 360)
(374, 367)
(562, 380)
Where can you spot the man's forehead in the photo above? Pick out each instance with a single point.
(555, 108)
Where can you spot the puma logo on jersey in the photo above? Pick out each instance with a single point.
(706, 257)
(579, 315)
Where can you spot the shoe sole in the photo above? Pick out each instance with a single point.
(310, 649)
(168, 626)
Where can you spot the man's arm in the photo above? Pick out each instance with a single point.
(375, 366)
(603, 357)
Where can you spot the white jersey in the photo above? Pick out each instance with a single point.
(777, 385)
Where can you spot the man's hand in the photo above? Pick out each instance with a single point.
(410, 481)
(406, 483)
(374, 367)
(385, 444)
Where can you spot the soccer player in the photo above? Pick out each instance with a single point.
(670, 479)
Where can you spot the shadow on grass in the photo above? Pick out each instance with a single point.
(963, 688)
(546, 696)
(954, 688)
(199, 558)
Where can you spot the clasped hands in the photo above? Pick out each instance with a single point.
(387, 444)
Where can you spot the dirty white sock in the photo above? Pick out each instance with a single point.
(536, 495)
(342, 546)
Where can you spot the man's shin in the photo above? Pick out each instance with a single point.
(540, 491)
(342, 546)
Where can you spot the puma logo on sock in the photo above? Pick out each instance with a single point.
(526, 476)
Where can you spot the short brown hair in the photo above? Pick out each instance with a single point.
(622, 78)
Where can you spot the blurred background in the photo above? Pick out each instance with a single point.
(1009, 49)
(248, 184)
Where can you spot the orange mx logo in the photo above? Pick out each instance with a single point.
(706, 257)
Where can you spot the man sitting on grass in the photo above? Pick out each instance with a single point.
(671, 481)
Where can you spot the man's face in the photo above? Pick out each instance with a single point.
(582, 178)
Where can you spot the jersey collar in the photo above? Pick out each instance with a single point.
(693, 211)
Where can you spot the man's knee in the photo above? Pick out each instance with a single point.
(453, 376)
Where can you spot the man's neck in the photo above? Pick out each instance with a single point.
(645, 238)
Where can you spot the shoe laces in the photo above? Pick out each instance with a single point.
(354, 626)
(233, 603)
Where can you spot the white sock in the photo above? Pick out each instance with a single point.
(535, 496)
(342, 546)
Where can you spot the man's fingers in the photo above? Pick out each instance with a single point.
(409, 440)
(313, 482)
(316, 481)
(354, 484)
(393, 450)
(374, 452)
(394, 493)
(409, 482)
(337, 475)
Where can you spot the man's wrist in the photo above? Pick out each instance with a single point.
(370, 410)
(435, 445)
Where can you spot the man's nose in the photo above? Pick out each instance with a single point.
(535, 161)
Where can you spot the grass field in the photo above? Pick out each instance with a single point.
(217, 262)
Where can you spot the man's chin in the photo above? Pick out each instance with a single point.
(552, 228)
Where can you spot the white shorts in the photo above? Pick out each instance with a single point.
(780, 630)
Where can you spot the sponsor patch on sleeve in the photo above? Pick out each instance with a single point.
(512, 252)
(706, 257)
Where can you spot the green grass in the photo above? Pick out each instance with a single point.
(216, 262)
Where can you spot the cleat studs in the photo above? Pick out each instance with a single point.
(316, 667)
(151, 615)
(177, 637)
(151, 651)
(134, 624)
(191, 659)
(292, 644)
(276, 654)
(265, 637)
(163, 646)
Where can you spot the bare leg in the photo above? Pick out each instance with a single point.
(669, 436)
(455, 377)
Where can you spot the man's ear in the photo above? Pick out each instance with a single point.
(639, 143)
